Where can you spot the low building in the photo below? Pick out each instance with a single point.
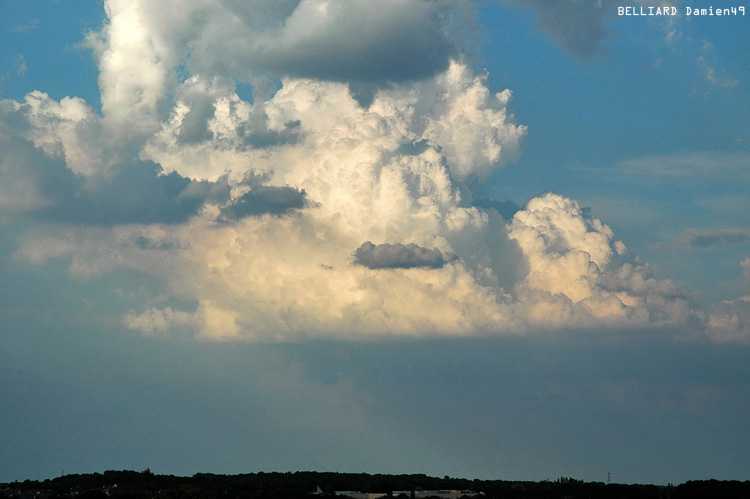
(360, 495)
(446, 494)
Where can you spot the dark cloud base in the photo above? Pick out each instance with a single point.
(265, 199)
(135, 193)
(397, 256)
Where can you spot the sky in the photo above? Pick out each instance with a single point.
(485, 239)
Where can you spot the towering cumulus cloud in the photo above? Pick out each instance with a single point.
(338, 202)
(579, 274)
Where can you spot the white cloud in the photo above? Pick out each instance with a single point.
(579, 275)
(286, 278)
(565, 251)
(391, 174)
(68, 129)
(268, 202)
(136, 58)
(472, 126)
(283, 277)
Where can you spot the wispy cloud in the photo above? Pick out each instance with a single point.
(702, 163)
(31, 25)
(693, 238)
(716, 77)
(745, 266)
(21, 69)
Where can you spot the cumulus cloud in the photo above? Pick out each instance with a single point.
(397, 256)
(334, 40)
(263, 245)
(579, 274)
(358, 41)
(252, 215)
(729, 321)
(289, 277)
(473, 129)
(55, 167)
(68, 130)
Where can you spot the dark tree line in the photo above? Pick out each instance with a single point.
(300, 485)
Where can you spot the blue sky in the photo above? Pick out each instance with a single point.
(643, 97)
(321, 235)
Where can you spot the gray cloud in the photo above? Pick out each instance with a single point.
(506, 209)
(45, 189)
(348, 41)
(693, 238)
(58, 156)
(255, 133)
(260, 137)
(194, 127)
(401, 43)
(576, 25)
(206, 97)
(266, 199)
(262, 199)
(397, 256)
(146, 243)
(136, 193)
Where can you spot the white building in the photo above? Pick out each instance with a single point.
(360, 495)
(446, 494)
(417, 494)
